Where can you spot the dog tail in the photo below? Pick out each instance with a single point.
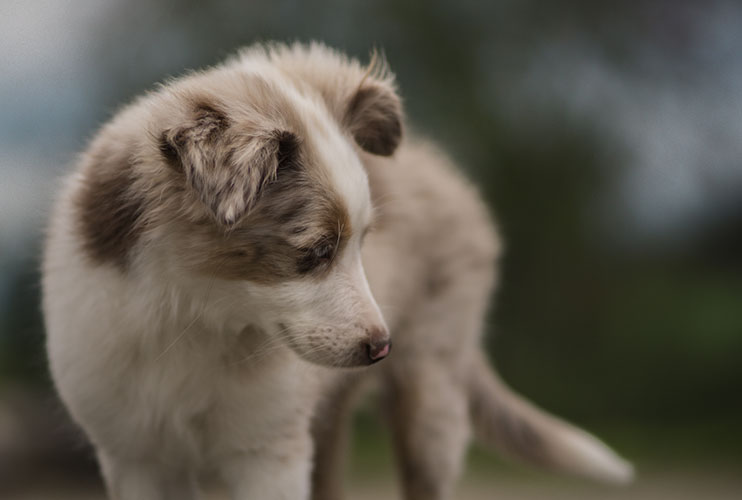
(505, 421)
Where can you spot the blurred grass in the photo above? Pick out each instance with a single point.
(706, 443)
(672, 462)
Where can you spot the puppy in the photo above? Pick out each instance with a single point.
(209, 270)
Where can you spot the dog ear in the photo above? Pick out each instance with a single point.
(227, 171)
(374, 117)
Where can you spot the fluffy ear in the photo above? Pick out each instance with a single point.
(228, 171)
(374, 117)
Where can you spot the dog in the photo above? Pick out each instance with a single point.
(229, 251)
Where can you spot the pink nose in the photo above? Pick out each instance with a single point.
(378, 350)
(380, 353)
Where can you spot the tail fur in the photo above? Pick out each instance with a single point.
(504, 420)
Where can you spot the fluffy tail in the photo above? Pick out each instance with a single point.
(504, 420)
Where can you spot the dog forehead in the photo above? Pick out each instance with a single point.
(329, 147)
(326, 146)
(347, 176)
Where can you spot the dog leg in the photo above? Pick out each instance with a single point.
(269, 474)
(142, 480)
(330, 430)
(430, 422)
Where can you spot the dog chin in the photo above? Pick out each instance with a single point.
(333, 359)
(320, 350)
(328, 357)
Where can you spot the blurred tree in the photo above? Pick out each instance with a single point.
(590, 327)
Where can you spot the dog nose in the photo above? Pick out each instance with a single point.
(378, 350)
(378, 344)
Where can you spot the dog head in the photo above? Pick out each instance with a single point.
(250, 174)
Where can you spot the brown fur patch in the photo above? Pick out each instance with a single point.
(297, 217)
(279, 217)
(110, 214)
(374, 117)
(203, 132)
(226, 167)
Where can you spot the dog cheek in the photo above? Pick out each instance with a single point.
(321, 346)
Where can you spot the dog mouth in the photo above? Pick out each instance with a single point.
(326, 347)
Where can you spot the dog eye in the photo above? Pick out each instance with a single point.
(323, 251)
(316, 256)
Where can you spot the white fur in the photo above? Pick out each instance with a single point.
(157, 378)
(170, 373)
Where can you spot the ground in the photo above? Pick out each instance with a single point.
(656, 484)
(673, 463)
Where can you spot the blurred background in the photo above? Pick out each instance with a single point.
(606, 137)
